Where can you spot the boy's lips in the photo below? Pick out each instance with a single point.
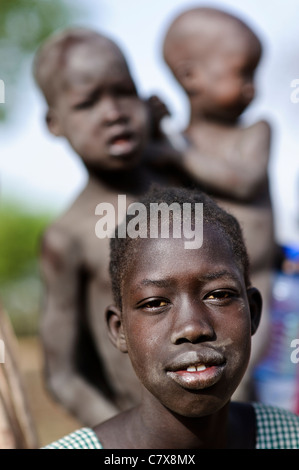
(197, 370)
(122, 144)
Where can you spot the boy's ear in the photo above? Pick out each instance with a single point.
(53, 122)
(255, 305)
(115, 328)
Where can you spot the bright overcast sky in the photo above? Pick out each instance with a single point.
(42, 171)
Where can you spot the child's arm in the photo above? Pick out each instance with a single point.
(157, 111)
(60, 266)
(160, 153)
(242, 174)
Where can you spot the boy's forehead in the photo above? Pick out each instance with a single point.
(209, 33)
(162, 255)
(97, 53)
(86, 61)
(205, 21)
(224, 52)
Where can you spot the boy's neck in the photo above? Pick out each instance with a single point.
(145, 428)
(232, 427)
(198, 119)
(134, 180)
(153, 426)
(210, 432)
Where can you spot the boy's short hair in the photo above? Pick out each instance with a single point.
(121, 249)
(51, 56)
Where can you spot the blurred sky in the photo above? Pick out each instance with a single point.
(43, 172)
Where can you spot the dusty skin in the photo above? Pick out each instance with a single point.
(185, 318)
(93, 104)
(213, 56)
(172, 317)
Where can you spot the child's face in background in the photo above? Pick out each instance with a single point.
(220, 77)
(187, 322)
(225, 86)
(97, 108)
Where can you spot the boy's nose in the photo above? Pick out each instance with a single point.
(192, 324)
(113, 111)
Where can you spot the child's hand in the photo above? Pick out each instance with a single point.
(157, 111)
(164, 149)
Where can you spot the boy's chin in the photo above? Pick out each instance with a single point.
(230, 115)
(124, 162)
(221, 113)
(113, 163)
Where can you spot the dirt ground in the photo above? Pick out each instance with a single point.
(51, 420)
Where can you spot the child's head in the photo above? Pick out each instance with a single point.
(185, 316)
(92, 99)
(213, 55)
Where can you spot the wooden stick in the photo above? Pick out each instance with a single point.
(15, 412)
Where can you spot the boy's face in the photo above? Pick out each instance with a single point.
(187, 320)
(219, 79)
(97, 108)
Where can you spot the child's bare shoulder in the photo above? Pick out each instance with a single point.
(66, 232)
(260, 131)
(111, 432)
(255, 140)
(60, 240)
(71, 239)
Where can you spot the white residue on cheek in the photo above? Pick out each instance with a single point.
(225, 343)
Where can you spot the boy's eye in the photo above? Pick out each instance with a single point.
(84, 104)
(220, 295)
(154, 304)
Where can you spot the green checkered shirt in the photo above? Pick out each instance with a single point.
(83, 438)
(276, 429)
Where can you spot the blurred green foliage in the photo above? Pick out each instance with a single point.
(24, 24)
(20, 233)
(20, 284)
